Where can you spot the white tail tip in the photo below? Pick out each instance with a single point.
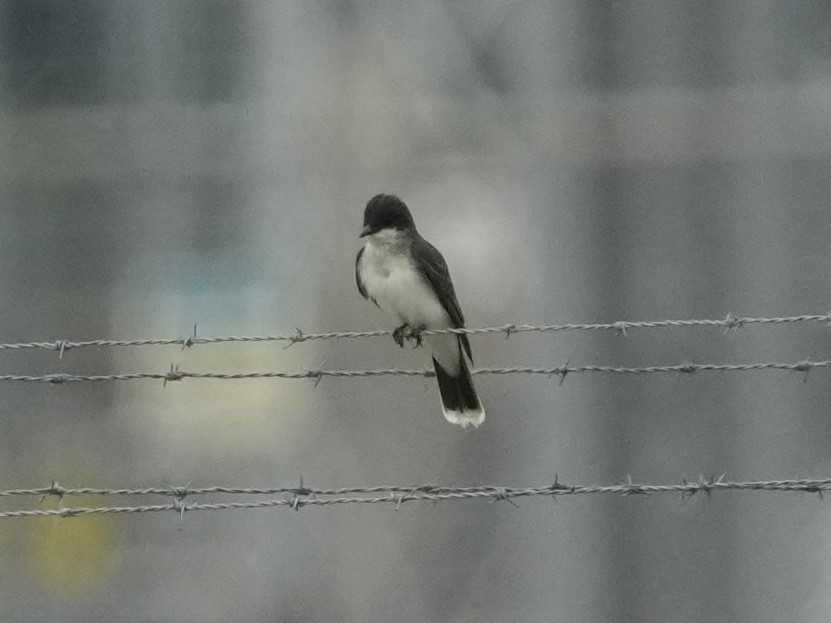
(465, 418)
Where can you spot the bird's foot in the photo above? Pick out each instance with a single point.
(415, 335)
(407, 332)
(400, 333)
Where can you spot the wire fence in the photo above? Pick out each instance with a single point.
(181, 498)
(299, 497)
(318, 375)
(620, 326)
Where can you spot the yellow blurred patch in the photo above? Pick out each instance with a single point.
(76, 555)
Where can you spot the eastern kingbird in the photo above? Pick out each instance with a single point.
(405, 276)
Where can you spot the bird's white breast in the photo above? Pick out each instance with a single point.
(390, 278)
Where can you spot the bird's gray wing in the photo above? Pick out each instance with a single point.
(433, 268)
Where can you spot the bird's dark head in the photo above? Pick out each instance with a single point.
(386, 212)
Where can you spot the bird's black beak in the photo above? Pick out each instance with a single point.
(366, 231)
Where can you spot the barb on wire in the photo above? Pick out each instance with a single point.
(297, 498)
(620, 327)
(175, 374)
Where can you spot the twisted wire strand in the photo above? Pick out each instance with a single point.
(296, 498)
(620, 326)
(317, 375)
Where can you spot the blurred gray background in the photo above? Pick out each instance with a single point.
(166, 164)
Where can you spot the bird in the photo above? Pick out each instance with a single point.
(406, 277)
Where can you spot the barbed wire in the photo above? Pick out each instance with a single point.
(621, 327)
(299, 497)
(317, 375)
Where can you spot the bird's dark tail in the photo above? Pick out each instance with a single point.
(458, 396)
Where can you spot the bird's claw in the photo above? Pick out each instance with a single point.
(398, 334)
(405, 331)
(415, 335)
